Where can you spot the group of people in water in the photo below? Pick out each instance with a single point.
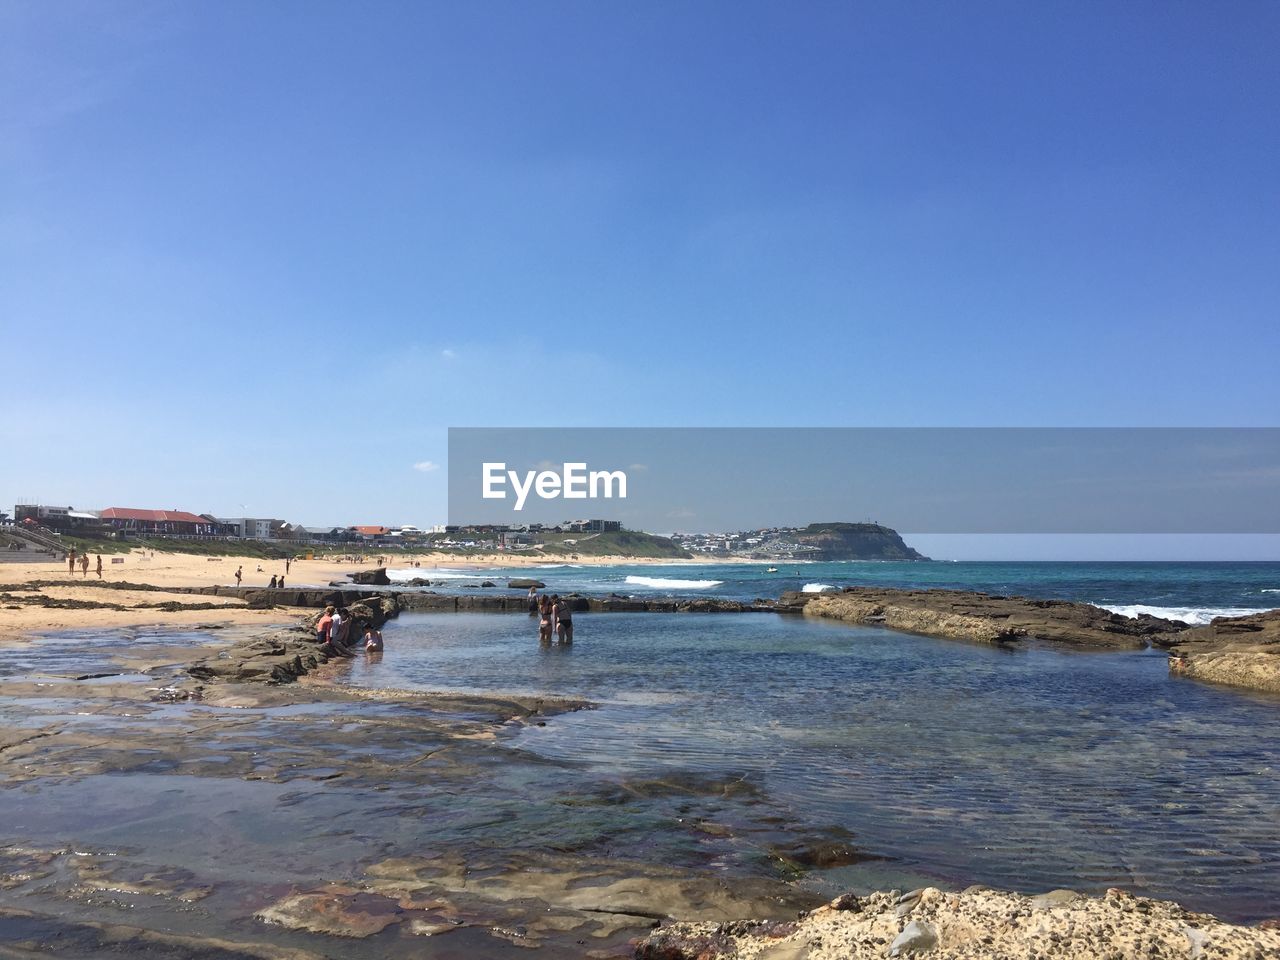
(338, 633)
(555, 617)
(81, 560)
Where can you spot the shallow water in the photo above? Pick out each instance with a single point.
(1030, 769)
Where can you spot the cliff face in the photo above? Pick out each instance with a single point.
(856, 541)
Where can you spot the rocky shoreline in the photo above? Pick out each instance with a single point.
(1234, 651)
(985, 618)
(250, 722)
(1242, 652)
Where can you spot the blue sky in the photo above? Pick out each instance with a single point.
(266, 254)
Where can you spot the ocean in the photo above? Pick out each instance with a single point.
(1194, 592)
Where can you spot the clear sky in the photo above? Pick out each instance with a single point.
(258, 257)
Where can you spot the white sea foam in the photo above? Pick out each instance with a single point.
(1269, 590)
(665, 583)
(816, 587)
(426, 573)
(1192, 615)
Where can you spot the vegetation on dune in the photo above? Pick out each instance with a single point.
(626, 543)
(211, 548)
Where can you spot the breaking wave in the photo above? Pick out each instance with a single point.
(1196, 616)
(817, 587)
(665, 583)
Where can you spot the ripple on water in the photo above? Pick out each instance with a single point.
(1026, 769)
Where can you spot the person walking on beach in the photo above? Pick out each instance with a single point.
(280, 584)
(84, 564)
(71, 562)
(239, 575)
(563, 614)
(99, 566)
(272, 584)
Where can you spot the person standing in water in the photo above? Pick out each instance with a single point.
(544, 620)
(562, 611)
(372, 639)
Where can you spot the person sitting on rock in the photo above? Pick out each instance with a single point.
(324, 626)
(340, 633)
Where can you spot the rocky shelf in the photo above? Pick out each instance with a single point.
(1235, 651)
(984, 618)
(978, 923)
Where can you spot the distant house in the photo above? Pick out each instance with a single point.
(328, 534)
(371, 532)
(591, 526)
(160, 522)
(249, 528)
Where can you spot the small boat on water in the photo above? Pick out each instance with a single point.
(770, 569)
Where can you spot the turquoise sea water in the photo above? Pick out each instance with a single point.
(943, 761)
(1191, 591)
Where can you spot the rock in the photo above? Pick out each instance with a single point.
(1234, 651)
(980, 617)
(1054, 898)
(524, 584)
(488, 583)
(339, 913)
(917, 937)
(847, 901)
(982, 923)
(376, 577)
(1196, 941)
(677, 947)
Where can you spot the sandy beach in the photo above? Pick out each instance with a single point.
(161, 569)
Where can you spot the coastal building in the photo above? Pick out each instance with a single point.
(62, 519)
(250, 528)
(161, 522)
(591, 526)
(326, 534)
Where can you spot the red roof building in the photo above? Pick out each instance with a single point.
(172, 522)
(372, 531)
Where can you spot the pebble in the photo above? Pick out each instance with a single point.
(916, 937)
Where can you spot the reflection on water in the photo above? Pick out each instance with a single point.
(1028, 769)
